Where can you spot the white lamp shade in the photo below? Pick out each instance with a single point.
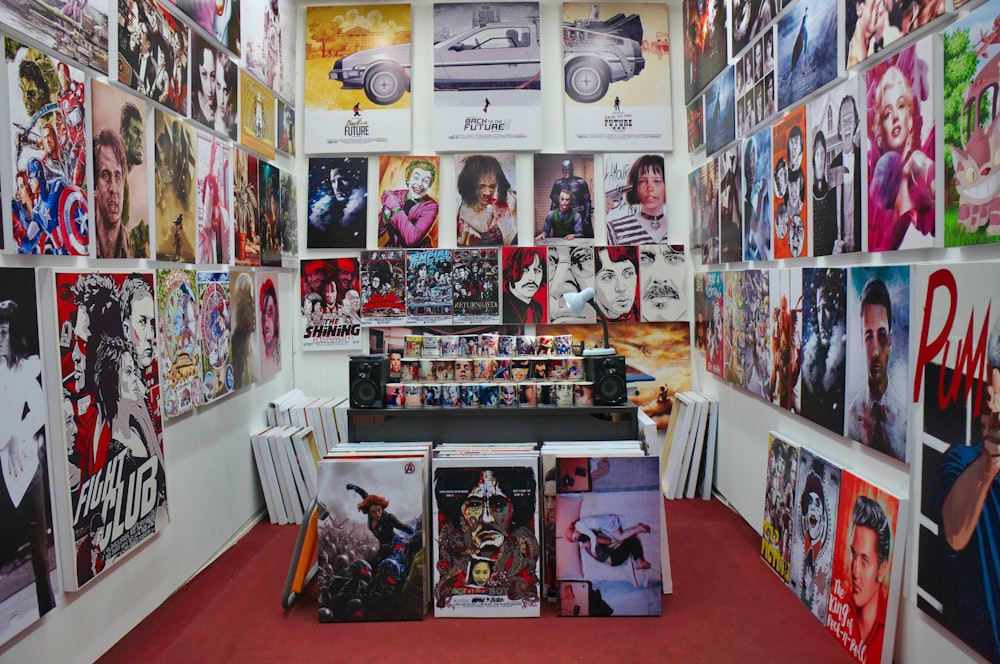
(578, 301)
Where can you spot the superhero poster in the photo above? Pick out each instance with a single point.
(180, 341)
(213, 210)
(383, 286)
(153, 53)
(219, 18)
(372, 558)
(720, 112)
(409, 191)
(121, 197)
(257, 130)
(78, 30)
(428, 287)
(268, 322)
(268, 43)
(779, 494)
(486, 553)
(733, 328)
(49, 212)
(332, 304)
(475, 282)
(246, 211)
(175, 189)
(564, 199)
(357, 91)
(245, 355)
(117, 494)
(215, 322)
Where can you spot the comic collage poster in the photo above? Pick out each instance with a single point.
(213, 87)
(608, 522)
(791, 171)
(374, 523)
(408, 195)
(428, 286)
(955, 392)
(27, 587)
(245, 356)
(733, 322)
(212, 208)
(755, 89)
(878, 318)
(117, 493)
(487, 76)
(757, 214)
(153, 53)
(720, 112)
(757, 361)
(824, 346)
(870, 27)
(246, 211)
(902, 192)
(215, 321)
(662, 283)
(808, 39)
(269, 195)
(704, 44)
(785, 338)
(333, 303)
(731, 205)
(219, 19)
(614, 105)
(714, 292)
(525, 298)
(970, 132)
(268, 46)
(695, 116)
(570, 270)
(357, 91)
(475, 560)
(487, 199)
(564, 209)
(268, 322)
(121, 196)
(176, 189)
(289, 220)
(867, 569)
(338, 203)
(383, 286)
(256, 116)
(814, 530)
(285, 119)
(703, 188)
(475, 281)
(49, 148)
(833, 126)
(180, 341)
(779, 510)
(635, 200)
(77, 30)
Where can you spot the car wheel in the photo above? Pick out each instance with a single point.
(384, 84)
(586, 80)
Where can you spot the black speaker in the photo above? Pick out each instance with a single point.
(369, 374)
(607, 372)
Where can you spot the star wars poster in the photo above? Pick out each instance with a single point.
(635, 200)
(487, 199)
(814, 530)
(289, 226)
(475, 281)
(878, 358)
(486, 553)
(215, 190)
(121, 195)
(27, 587)
(246, 212)
(791, 171)
(77, 30)
(720, 112)
(428, 287)
(714, 329)
(703, 189)
(117, 494)
(808, 39)
(731, 205)
(612, 53)
(49, 150)
(779, 513)
(256, 116)
(755, 89)
(213, 87)
(180, 341)
(383, 286)
(220, 19)
(338, 203)
(245, 355)
(825, 335)
(705, 41)
(215, 320)
(487, 76)
(268, 190)
(564, 209)
(333, 303)
(757, 214)
(408, 195)
(372, 558)
(176, 189)
(268, 43)
(153, 53)
(353, 102)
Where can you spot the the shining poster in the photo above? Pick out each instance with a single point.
(332, 303)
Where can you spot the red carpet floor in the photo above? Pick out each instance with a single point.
(727, 606)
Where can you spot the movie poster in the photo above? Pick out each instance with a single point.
(338, 203)
(791, 171)
(635, 201)
(704, 44)
(27, 587)
(180, 341)
(720, 112)
(487, 76)
(269, 194)
(408, 195)
(428, 287)
(383, 286)
(487, 199)
(153, 53)
(570, 270)
(612, 54)
(902, 191)
(285, 120)
(219, 19)
(756, 308)
(731, 205)
(268, 43)
(825, 346)
(289, 225)
(268, 322)
(256, 116)
(246, 212)
(703, 189)
(663, 279)
(714, 346)
(245, 356)
(332, 305)
(357, 85)
(175, 189)
(213, 87)
(700, 311)
(733, 327)
(121, 196)
(215, 321)
(475, 281)
(808, 38)
(49, 149)
(696, 124)
(870, 27)
(750, 18)
(215, 190)
(114, 440)
(76, 30)
(755, 100)
(779, 514)
(564, 209)
(757, 214)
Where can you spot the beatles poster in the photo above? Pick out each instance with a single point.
(268, 42)
(180, 341)
(256, 116)
(357, 83)
(176, 189)
(791, 171)
(78, 30)
(153, 53)
(215, 320)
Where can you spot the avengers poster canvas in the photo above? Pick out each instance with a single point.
(791, 195)
(78, 30)
(825, 325)
(757, 361)
(714, 329)
(487, 199)
(219, 19)
(332, 305)
(475, 282)
(213, 209)
(121, 195)
(607, 536)
(757, 212)
(153, 53)
(27, 587)
(180, 341)
(266, 284)
(268, 43)
(720, 112)
(215, 320)
(808, 38)
(428, 286)
(814, 530)
(116, 497)
(246, 209)
(635, 201)
(175, 189)
(779, 515)
(878, 358)
(383, 286)
(338, 203)
(487, 76)
(705, 42)
(357, 85)
(564, 199)
(372, 563)
(49, 211)
(612, 52)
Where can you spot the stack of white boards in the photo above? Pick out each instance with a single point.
(286, 459)
(687, 462)
(326, 415)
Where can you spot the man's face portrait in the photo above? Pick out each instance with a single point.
(615, 286)
(315, 279)
(878, 341)
(571, 269)
(110, 186)
(815, 517)
(487, 513)
(339, 186)
(565, 200)
(132, 135)
(867, 573)
(794, 152)
(418, 184)
(529, 283)
(847, 125)
(796, 235)
(395, 363)
(824, 316)
(661, 270)
(141, 326)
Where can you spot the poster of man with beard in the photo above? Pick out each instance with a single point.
(824, 346)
